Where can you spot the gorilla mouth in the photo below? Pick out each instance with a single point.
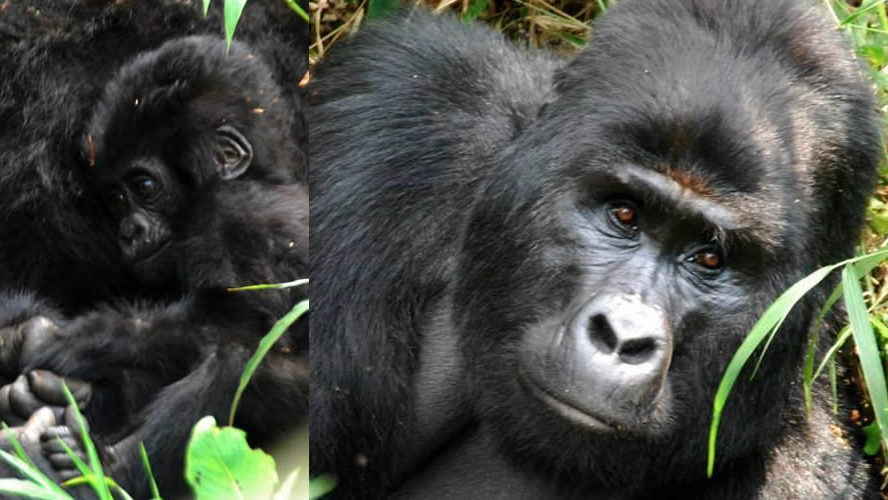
(565, 409)
(159, 249)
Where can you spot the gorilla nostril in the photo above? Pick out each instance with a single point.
(601, 334)
(637, 351)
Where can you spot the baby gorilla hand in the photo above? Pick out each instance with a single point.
(21, 341)
(56, 442)
(39, 388)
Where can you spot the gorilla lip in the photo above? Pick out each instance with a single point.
(159, 250)
(563, 408)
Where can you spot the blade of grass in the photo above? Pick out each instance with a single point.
(868, 350)
(23, 463)
(264, 346)
(20, 487)
(232, 13)
(295, 7)
(155, 492)
(90, 478)
(270, 286)
(771, 318)
(813, 340)
(99, 484)
(843, 337)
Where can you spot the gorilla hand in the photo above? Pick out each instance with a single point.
(20, 341)
(39, 388)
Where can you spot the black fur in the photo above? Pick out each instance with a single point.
(454, 229)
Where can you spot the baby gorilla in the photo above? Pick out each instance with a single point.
(196, 155)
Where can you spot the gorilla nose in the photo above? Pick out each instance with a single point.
(629, 348)
(133, 233)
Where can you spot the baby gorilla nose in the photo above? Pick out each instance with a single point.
(134, 236)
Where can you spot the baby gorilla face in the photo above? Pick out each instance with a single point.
(145, 198)
(149, 194)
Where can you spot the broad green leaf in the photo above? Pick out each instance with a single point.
(220, 465)
(286, 491)
(868, 350)
(265, 345)
(873, 439)
(232, 14)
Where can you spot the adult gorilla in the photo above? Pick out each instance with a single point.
(564, 290)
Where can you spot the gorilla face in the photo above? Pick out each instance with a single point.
(629, 240)
(600, 329)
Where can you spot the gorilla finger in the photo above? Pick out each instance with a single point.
(54, 433)
(6, 412)
(21, 400)
(47, 386)
(73, 423)
(40, 421)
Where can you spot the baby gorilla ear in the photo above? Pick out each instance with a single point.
(234, 154)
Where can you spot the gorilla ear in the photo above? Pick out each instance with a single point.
(233, 155)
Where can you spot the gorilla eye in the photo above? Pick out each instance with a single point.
(144, 185)
(116, 199)
(623, 215)
(709, 259)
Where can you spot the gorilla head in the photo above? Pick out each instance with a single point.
(633, 234)
(178, 123)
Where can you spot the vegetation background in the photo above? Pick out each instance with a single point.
(563, 26)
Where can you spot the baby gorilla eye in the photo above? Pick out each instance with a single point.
(116, 199)
(144, 185)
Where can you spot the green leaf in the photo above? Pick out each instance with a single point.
(321, 486)
(220, 465)
(873, 439)
(265, 345)
(286, 491)
(877, 217)
(867, 348)
(206, 6)
(232, 14)
(475, 9)
(379, 8)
